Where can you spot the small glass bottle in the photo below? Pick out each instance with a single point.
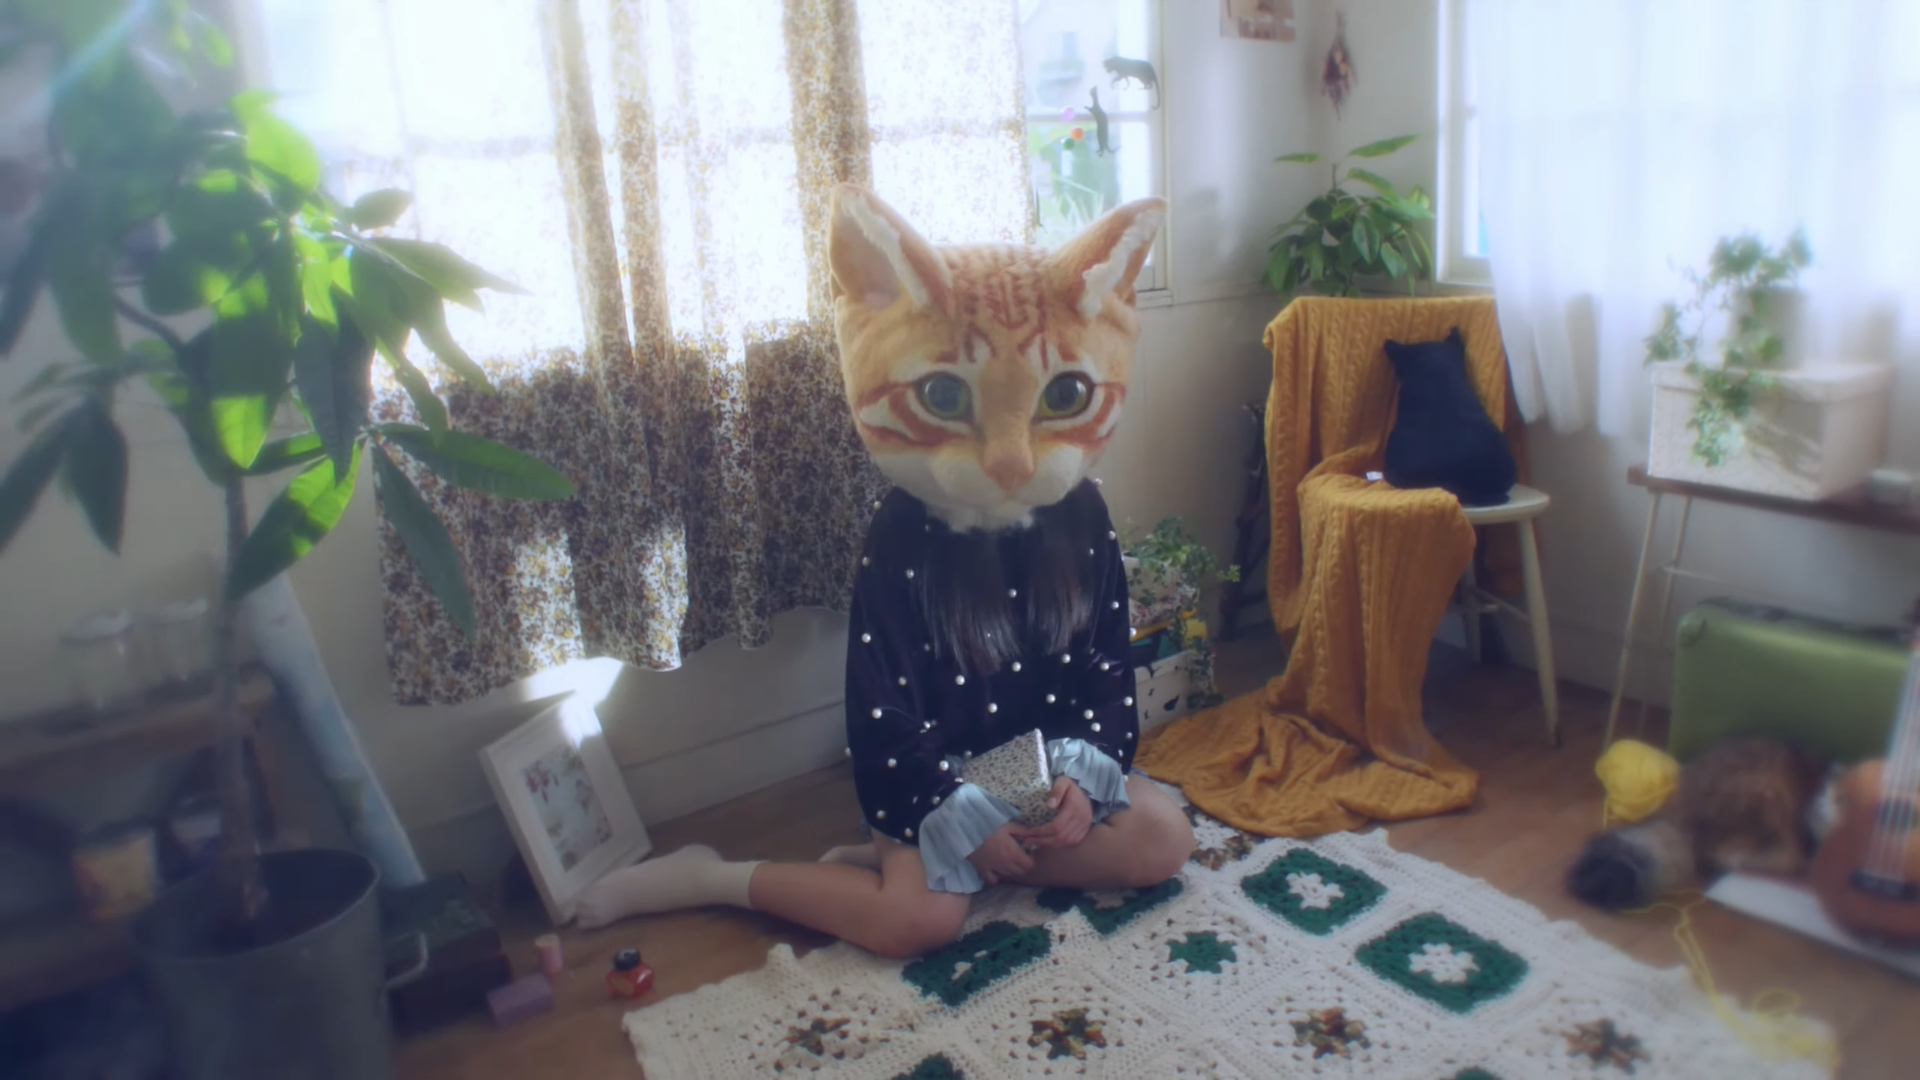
(98, 651)
(179, 643)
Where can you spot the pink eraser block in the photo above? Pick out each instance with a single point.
(520, 999)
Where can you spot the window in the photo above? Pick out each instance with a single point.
(1077, 55)
(1463, 227)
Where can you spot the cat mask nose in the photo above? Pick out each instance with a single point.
(1010, 463)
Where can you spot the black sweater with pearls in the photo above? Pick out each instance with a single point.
(915, 710)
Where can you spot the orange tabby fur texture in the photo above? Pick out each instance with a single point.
(1007, 322)
(1742, 805)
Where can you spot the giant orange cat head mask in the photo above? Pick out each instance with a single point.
(985, 380)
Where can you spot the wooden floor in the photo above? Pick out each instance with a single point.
(1536, 806)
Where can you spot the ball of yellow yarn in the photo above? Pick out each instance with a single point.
(1639, 779)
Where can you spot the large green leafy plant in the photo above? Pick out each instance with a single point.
(1352, 233)
(1745, 283)
(254, 316)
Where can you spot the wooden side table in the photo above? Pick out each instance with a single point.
(58, 951)
(1847, 508)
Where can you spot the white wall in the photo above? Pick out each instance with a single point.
(729, 720)
(1591, 537)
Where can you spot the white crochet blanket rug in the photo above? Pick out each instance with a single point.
(1266, 958)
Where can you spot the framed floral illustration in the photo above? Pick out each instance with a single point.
(564, 799)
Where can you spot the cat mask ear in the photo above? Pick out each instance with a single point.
(876, 256)
(1105, 259)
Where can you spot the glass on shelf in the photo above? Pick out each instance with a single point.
(98, 653)
(179, 644)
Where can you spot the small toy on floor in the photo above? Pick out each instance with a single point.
(547, 948)
(629, 978)
(520, 1000)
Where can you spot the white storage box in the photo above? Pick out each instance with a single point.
(1821, 432)
(1161, 689)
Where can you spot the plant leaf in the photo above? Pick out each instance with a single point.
(189, 274)
(190, 411)
(1383, 147)
(84, 295)
(276, 145)
(457, 279)
(286, 453)
(1395, 265)
(378, 209)
(428, 544)
(96, 470)
(246, 363)
(425, 402)
(331, 371)
(1301, 158)
(1375, 181)
(422, 308)
(294, 522)
(478, 464)
(316, 278)
(23, 284)
(28, 476)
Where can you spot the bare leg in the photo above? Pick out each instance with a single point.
(863, 855)
(1143, 845)
(892, 912)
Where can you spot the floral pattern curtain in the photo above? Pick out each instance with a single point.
(656, 172)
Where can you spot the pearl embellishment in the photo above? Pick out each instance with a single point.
(1066, 658)
(892, 764)
(1088, 715)
(936, 800)
(959, 680)
(944, 766)
(1126, 701)
(991, 707)
(876, 714)
(909, 573)
(909, 834)
(1096, 729)
(1115, 605)
(1013, 594)
(1049, 699)
(880, 815)
(1016, 665)
(1104, 666)
(866, 639)
(903, 680)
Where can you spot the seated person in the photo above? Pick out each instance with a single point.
(990, 599)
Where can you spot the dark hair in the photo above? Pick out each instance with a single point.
(963, 592)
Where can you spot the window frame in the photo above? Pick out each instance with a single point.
(1458, 180)
(1154, 287)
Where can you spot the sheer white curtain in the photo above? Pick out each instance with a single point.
(1621, 138)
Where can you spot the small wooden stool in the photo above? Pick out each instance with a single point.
(1522, 506)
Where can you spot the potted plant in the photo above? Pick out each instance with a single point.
(1166, 571)
(1734, 410)
(1348, 233)
(256, 308)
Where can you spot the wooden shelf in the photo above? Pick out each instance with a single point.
(48, 955)
(56, 748)
(1850, 507)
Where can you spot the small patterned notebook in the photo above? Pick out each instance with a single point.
(1017, 772)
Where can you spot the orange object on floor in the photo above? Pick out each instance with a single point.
(1359, 577)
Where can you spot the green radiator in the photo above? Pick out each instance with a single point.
(1741, 669)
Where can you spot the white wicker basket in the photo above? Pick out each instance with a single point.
(1819, 434)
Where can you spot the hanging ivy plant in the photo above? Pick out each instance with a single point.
(1745, 280)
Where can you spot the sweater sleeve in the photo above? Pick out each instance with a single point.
(1100, 688)
(900, 766)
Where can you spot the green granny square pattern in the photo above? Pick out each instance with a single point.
(1313, 893)
(1444, 962)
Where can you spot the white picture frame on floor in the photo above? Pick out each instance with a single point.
(565, 802)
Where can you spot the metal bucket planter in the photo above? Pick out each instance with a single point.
(309, 1002)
